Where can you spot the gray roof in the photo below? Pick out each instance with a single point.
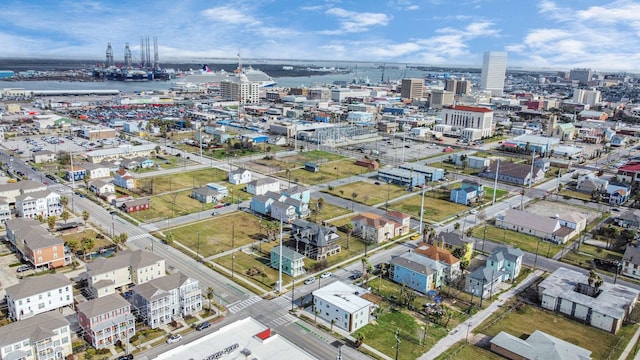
(295, 190)
(205, 191)
(22, 185)
(453, 238)
(522, 218)
(34, 194)
(287, 253)
(102, 305)
(160, 286)
(506, 252)
(137, 202)
(33, 285)
(136, 259)
(263, 181)
(312, 233)
(612, 301)
(238, 171)
(485, 275)
(36, 328)
(519, 171)
(632, 255)
(541, 345)
(414, 262)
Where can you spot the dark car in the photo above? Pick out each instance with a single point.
(23, 268)
(125, 357)
(203, 325)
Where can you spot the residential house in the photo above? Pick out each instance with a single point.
(124, 179)
(628, 219)
(558, 229)
(136, 205)
(342, 304)
(239, 176)
(43, 156)
(617, 194)
(5, 210)
(469, 192)
(10, 191)
(206, 195)
(44, 203)
(417, 272)
(102, 187)
(291, 204)
(130, 164)
(97, 171)
(317, 242)
(164, 299)
(507, 261)
(38, 294)
(451, 263)
(292, 262)
(452, 240)
(76, 173)
(631, 262)
(519, 174)
(538, 345)
(262, 203)
(378, 228)
(219, 188)
(605, 307)
(262, 186)
(44, 336)
(629, 173)
(618, 140)
(591, 184)
(298, 192)
(35, 244)
(147, 163)
(106, 320)
(283, 211)
(542, 163)
(105, 275)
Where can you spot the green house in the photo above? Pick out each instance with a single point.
(292, 261)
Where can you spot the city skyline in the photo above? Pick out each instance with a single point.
(544, 34)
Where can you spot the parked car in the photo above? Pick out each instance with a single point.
(355, 276)
(174, 338)
(325, 275)
(203, 325)
(219, 206)
(125, 357)
(473, 211)
(415, 236)
(310, 280)
(23, 268)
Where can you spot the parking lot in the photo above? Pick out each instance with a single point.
(8, 275)
(24, 146)
(396, 150)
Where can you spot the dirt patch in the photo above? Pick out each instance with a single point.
(553, 208)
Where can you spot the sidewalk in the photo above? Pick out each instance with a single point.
(460, 332)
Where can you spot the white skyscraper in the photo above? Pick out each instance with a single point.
(494, 68)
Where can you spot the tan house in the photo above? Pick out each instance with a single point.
(378, 228)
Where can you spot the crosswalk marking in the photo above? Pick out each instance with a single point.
(282, 301)
(238, 306)
(139, 236)
(283, 320)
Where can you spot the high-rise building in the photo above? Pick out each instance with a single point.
(494, 68)
(583, 76)
(245, 91)
(441, 98)
(582, 96)
(458, 87)
(412, 88)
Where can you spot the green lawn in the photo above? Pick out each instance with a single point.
(488, 194)
(437, 206)
(531, 318)
(327, 212)
(180, 181)
(516, 239)
(576, 194)
(381, 335)
(255, 266)
(162, 207)
(89, 233)
(328, 171)
(367, 193)
(588, 253)
(465, 351)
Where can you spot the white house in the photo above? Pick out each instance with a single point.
(239, 176)
(343, 304)
(97, 171)
(44, 336)
(263, 185)
(38, 294)
(101, 187)
(45, 203)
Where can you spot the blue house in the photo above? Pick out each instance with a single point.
(77, 173)
(255, 138)
(430, 173)
(262, 203)
(401, 177)
(467, 193)
(618, 140)
(417, 272)
(618, 195)
(147, 163)
(506, 261)
(298, 193)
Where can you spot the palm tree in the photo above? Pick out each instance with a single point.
(65, 216)
(320, 203)
(383, 273)
(64, 201)
(85, 215)
(348, 227)
(209, 295)
(87, 244)
(354, 195)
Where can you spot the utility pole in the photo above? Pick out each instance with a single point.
(198, 248)
(233, 242)
(424, 187)
(293, 293)
(533, 156)
(495, 182)
(279, 286)
(397, 343)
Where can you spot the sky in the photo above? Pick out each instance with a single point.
(562, 34)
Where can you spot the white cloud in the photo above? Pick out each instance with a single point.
(231, 15)
(354, 22)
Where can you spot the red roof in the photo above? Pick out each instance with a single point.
(471, 108)
(633, 167)
(263, 335)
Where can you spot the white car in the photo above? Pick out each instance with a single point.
(473, 211)
(325, 275)
(310, 280)
(174, 338)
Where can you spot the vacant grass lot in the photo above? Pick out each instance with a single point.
(180, 181)
(437, 206)
(255, 266)
(216, 233)
(368, 194)
(329, 171)
(89, 233)
(162, 206)
(516, 239)
(587, 253)
(576, 194)
(464, 351)
(381, 335)
(327, 212)
(531, 318)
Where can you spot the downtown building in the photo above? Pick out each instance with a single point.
(494, 68)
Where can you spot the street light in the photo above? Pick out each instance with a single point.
(468, 328)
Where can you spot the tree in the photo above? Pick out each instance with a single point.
(120, 239)
(359, 339)
(157, 149)
(85, 215)
(51, 221)
(456, 226)
(383, 273)
(320, 203)
(209, 295)
(73, 245)
(87, 244)
(348, 227)
(64, 201)
(40, 218)
(168, 238)
(354, 195)
(65, 216)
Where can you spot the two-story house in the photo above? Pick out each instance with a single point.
(314, 241)
(452, 240)
(106, 320)
(35, 244)
(262, 186)
(10, 191)
(443, 256)
(97, 171)
(105, 275)
(342, 304)
(75, 173)
(239, 176)
(292, 262)
(44, 336)
(468, 192)
(417, 272)
(44, 203)
(164, 299)
(379, 228)
(124, 179)
(502, 265)
(37, 295)
(5, 210)
(102, 187)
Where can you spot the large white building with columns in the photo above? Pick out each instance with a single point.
(478, 119)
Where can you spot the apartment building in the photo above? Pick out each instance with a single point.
(106, 320)
(44, 203)
(38, 294)
(44, 336)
